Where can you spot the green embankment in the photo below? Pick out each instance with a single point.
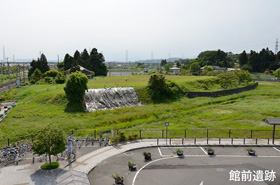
(238, 111)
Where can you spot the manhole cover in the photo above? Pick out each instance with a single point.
(220, 169)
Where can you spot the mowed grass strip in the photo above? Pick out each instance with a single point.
(237, 112)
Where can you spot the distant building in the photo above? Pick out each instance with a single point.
(175, 70)
(87, 72)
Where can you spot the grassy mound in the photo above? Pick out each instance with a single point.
(47, 166)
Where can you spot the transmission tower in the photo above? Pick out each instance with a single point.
(276, 46)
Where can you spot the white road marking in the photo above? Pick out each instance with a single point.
(204, 151)
(276, 149)
(159, 152)
(201, 183)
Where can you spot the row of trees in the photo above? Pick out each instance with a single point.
(259, 62)
(41, 64)
(93, 61)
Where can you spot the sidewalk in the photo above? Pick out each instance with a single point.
(32, 174)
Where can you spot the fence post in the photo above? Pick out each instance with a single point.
(94, 133)
(195, 140)
(244, 141)
(251, 133)
(140, 134)
(219, 140)
(256, 141)
(232, 141)
(32, 138)
(8, 141)
(207, 139)
(162, 133)
(228, 133)
(72, 132)
(182, 141)
(185, 133)
(157, 141)
(268, 141)
(207, 135)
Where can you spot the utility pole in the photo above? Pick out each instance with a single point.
(276, 47)
(9, 73)
(23, 72)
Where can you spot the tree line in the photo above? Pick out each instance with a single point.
(94, 62)
(263, 61)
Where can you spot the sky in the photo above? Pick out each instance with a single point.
(146, 29)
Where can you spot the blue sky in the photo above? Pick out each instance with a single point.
(165, 28)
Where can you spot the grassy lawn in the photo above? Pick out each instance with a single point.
(238, 111)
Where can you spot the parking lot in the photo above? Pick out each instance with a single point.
(229, 165)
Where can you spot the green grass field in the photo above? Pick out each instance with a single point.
(238, 111)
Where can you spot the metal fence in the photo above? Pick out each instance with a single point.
(158, 134)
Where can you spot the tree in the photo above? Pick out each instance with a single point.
(243, 58)
(49, 140)
(157, 87)
(243, 76)
(37, 75)
(178, 64)
(168, 66)
(227, 79)
(277, 73)
(163, 63)
(96, 63)
(194, 67)
(75, 67)
(76, 86)
(68, 61)
(43, 64)
(51, 73)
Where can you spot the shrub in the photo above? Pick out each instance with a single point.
(132, 136)
(160, 89)
(32, 81)
(120, 137)
(228, 79)
(60, 81)
(36, 75)
(76, 86)
(51, 73)
(48, 79)
(47, 166)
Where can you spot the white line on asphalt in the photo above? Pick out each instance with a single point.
(204, 151)
(276, 149)
(133, 182)
(159, 152)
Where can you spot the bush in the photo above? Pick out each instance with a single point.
(51, 73)
(120, 137)
(228, 79)
(47, 166)
(60, 81)
(36, 75)
(32, 81)
(160, 89)
(48, 79)
(132, 137)
(76, 86)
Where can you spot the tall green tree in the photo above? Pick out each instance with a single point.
(68, 61)
(163, 63)
(243, 59)
(97, 63)
(76, 86)
(195, 67)
(43, 64)
(50, 140)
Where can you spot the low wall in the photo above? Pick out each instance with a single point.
(220, 93)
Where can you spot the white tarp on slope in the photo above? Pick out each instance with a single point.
(110, 98)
